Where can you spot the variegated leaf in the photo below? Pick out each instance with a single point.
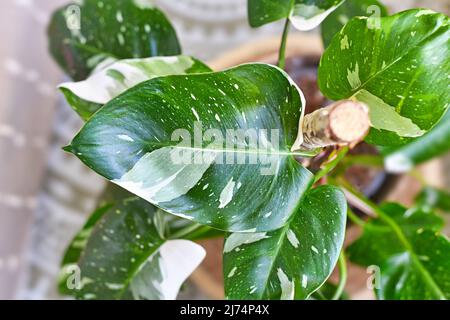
(149, 141)
(293, 262)
(87, 96)
(86, 33)
(123, 253)
(304, 14)
(398, 66)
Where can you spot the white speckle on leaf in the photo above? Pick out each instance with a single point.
(353, 77)
(227, 194)
(125, 137)
(232, 272)
(195, 114)
(344, 43)
(304, 281)
(292, 238)
(287, 286)
(238, 239)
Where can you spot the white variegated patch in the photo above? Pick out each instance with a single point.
(384, 116)
(114, 78)
(162, 276)
(305, 17)
(236, 240)
(160, 176)
(287, 286)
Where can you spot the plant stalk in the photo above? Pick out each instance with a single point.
(282, 52)
(400, 235)
(342, 264)
(344, 122)
(334, 159)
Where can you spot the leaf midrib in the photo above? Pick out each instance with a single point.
(362, 86)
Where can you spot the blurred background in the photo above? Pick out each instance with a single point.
(45, 194)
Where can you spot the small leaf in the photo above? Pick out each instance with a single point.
(416, 271)
(294, 261)
(433, 144)
(149, 141)
(397, 65)
(349, 9)
(121, 254)
(84, 34)
(87, 96)
(304, 14)
(422, 275)
(378, 242)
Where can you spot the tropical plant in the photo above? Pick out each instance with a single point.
(193, 154)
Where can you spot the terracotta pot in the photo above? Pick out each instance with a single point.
(208, 278)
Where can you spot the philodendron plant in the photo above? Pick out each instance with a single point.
(193, 153)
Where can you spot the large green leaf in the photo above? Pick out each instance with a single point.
(398, 66)
(349, 9)
(294, 261)
(87, 96)
(122, 253)
(418, 270)
(304, 14)
(83, 34)
(148, 140)
(433, 144)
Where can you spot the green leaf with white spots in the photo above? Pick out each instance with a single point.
(398, 66)
(171, 141)
(349, 9)
(378, 242)
(84, 34)
(416, 270)
(423, 275)
(87, 96)
(433, 144)
(122, 253)
(293, 262)
(304, 14)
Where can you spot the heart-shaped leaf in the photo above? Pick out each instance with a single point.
(398, 66)
(433, 144)
(417, 269)
(304, 14)
(349, 9)
(294, 261)
(214, 148)
(83, 34)
(87, 96)
(122, 253)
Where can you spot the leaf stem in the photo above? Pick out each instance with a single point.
(282, 52)
(185, 231)
(342, 264)
(354, 218)
(334, 159)
(400, 235)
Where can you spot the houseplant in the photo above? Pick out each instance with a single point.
(204, 154)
